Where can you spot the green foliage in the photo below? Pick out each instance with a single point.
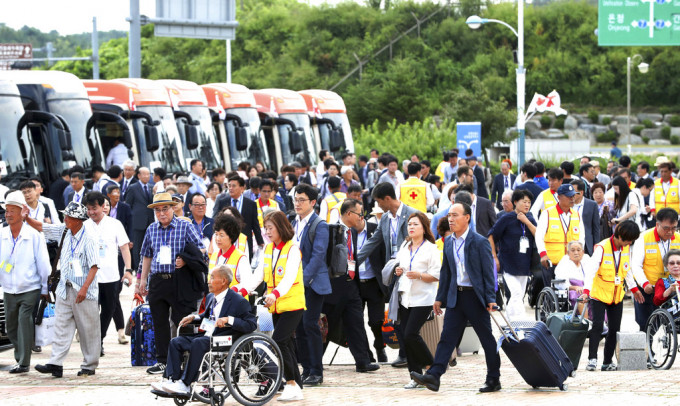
(593, 116)
(666, 133)
(675, 140)
(645, 140)
(675, 121)
(637, 129)
(607, 137)
(606, 120)
(546, 121)
(648, 123)
(665, 110)
(559, 122)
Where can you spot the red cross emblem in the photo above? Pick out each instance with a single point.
(413, 195)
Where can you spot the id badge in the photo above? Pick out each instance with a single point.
(663, 198)
(206, 243)
(351, 266)
(617, 280)
(461, 266)
(394, 250)
(208, 326)
(7, 265)
(164, 256)
(523, 245)
(102, 249)
(77, 268)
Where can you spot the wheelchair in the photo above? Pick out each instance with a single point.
(662, 334)
(250, 370)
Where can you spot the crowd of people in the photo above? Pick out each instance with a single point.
(343, 239)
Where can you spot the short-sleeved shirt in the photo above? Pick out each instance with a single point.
(176, 235)
(108, 236)
(507, 233)
(79, 248)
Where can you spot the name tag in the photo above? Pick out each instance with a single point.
(102, 249)
(76, 268)
(351, 266)
(461, 267)
(554, 226)
(617, 280)
(663, 198)
(222, 341)
(164, 256)
(7, 265)
(208, 326)
(394, 250)
(608, 262)
(651, 251)
(523, 245)
(206, 243)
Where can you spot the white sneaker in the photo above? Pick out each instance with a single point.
(158, 386)
(291, 393)
(176, 387)
(412, 385)
(592, 364)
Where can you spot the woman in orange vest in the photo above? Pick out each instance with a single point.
(604, 284)
(227, 231)
(242, 242)
(282, 271)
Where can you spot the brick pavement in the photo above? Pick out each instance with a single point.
(117, 383)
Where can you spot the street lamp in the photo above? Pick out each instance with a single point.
(475, 22)
(643, 68)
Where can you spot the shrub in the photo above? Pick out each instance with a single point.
(675, 121)
(606, 120)
(648, 123)
(675, 140)
(606, 137)
(637, 129)
(593, 116)
(559, 122)
(665, 110)
(666, 133)
(645, 140)
(546, 121)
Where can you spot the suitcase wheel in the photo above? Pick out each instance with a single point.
(534, 386)
(572, 373)
(564, 387)
(475, 352)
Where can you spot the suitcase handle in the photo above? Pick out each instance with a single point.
(585, 311)
(505, 336)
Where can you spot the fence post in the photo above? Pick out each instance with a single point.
(360, 64)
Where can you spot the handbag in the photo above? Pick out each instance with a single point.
(136, 301)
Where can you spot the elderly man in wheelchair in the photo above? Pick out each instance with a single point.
(226, 314)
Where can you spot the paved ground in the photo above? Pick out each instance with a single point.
(117, 383)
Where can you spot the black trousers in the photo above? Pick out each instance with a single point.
(353, 323)
(108, 297)
(118, 318)
(468, 308)
(284, 326)
(137, 238)
(411, 321)
(372, 297)
(644, 310)
(614, 314)
(197, 346)
(161, 301)
(308, 335)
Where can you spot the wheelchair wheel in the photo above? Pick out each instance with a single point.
(181, 401)
(546, 304)
(662, 339)
(255, 369)
(214, 367)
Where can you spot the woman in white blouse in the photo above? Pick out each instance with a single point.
(418, 272)
(572, 270)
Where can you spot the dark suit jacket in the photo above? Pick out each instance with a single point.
(187, 204)
(498, 187)
(314, 269)
(376, 258)
(591, 224)
(208, 224)
(132, 182)
(478, 264)
(57, 193)
(124, 215)
(531, 187)
(190, 280)
(138, 200)
(69, 199)
(485, 216)
(249, 213)
(382, 236)
(236, 306)
(481, 191)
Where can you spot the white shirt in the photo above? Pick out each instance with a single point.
(108, 236)
(101, 183)
(394, 180)
(38, 213)
(117, 155)
(567, 270)
(394, 226)
(219, 302)
(462, 276)
(28, 260)
(425, 259)
(78, 196)
(54, 214)
(542, 229)
(300, 228)
(539, 205)
(594, 266)
(508, 180)
(243, 273)
(320, 171)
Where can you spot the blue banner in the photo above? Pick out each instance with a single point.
(469, 136)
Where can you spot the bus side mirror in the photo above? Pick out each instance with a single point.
(64, 139)
(151, 138)
(336, 140)
(191, 132)
(295, 142)
(241, 139)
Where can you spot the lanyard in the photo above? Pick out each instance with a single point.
(616, 263)
(73, 249)
(200, 227)
(413, 255)
(275, 262)
(298, 237)
(166, 235)
(664, 247)
(523, 229)
(565, 227)
(457, 249)
(215, 303)
(14, 243)
(37, 212)
(393, 231)
(350, 253)
(360, 243)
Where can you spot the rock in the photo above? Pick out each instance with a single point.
(650, 116)
(659, 142)
(538, 135)
(603, 116)
(532, 126)
(570, 123)
(583, 118)
(600, 129)
(554, 133)
(651, 133)
(624, 120)
(634, 140)
(579, 135)
(667, 118)
(614, 127)
(675, 131)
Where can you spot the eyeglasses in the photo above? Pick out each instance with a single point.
(300, 201)
(668, 228)
(199, 205)
(673, 263)
(353, 212)
(161, 209)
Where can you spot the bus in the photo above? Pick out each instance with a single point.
(188, 98)
(330, 124)
(286, 126)
(237, 122)
(147, 110)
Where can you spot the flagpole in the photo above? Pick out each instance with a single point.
(521, 82)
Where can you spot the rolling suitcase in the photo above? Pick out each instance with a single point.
(142, 339)
(432, 332)
(535, 353)
(571, 331)
(470, 342)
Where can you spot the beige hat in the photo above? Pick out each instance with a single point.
(15, 199)
(376, 210)
(661, 160)
(162, 199)
(184, 179)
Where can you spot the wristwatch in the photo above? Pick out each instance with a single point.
(130, 270)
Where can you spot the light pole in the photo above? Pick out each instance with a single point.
(643, 68)
(475, 22)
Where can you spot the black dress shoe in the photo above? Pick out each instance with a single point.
(313, 380)
(400, 363)
(382, 357)
(36, 348)
(18, 369)
(101, 353)
(431, 382)
(367, 368)
(86, 372)
(453, 362)
(56, 370)
(491, 385)
(304, 376)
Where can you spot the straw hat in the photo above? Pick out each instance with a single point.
(162, 199)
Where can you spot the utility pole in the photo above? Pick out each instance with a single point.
(135, 41)
(95, 49)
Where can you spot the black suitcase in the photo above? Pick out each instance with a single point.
(571, 331)
(535, 353)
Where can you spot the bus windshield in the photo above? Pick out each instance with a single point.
(11, 110)
(208, 150)
(169, 155)
(340, 120)
(256, 151)
(76, 112)
(308, 152)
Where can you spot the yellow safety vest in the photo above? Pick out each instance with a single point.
(549, 200)
(413, 193)
(440, 171)
(242, 243)
(260, 213)
(232, 262)
(605, 289)
(556, 238)
(670, 199)
(440, 247)
(653, 262)
(294, 299)
(332, 201)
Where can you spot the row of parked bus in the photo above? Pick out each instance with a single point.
(51, 121)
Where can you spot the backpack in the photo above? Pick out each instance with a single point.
(336, 253)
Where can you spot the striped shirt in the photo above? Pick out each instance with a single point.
(176, 235)
(80, 247)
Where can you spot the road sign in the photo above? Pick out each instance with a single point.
(638, 22)
(207, 19)
(469, 136)
(14, 51)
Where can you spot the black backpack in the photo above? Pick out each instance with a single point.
(336, 253)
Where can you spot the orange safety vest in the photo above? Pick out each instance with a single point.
(670, 199)
(294, 299)
(653, 262)
(549, 200)
(556, 238)
(260, 213)
(333, 201)
(413, 193)
(605, 289)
